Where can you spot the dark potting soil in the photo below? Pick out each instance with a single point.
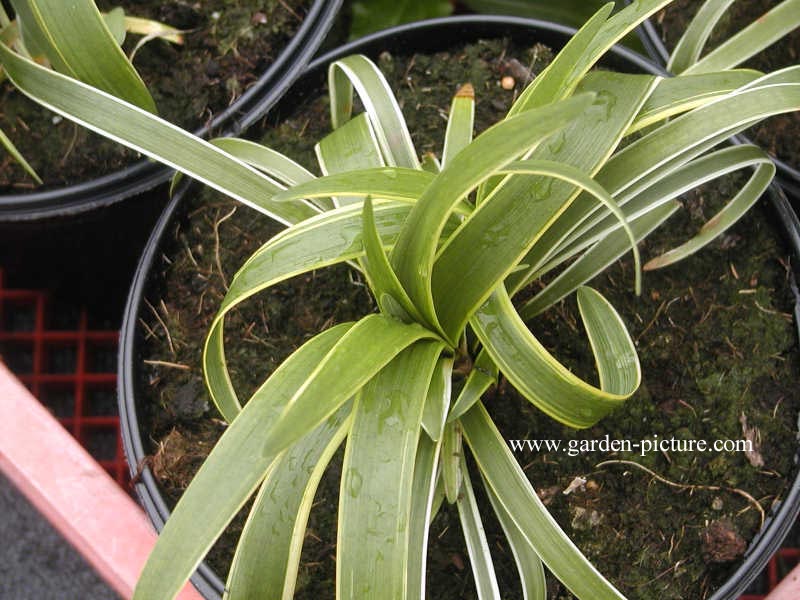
(777, 135)
(714, 335)
(227, 46)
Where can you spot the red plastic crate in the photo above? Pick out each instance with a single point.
(69, 367)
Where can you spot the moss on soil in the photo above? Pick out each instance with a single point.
(777, 135)
(713, 335)
(228, 45)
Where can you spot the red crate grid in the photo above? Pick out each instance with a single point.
(69, 367)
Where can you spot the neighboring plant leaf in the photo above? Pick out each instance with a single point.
(6, 142)
(77, 42)
(151, 136)
(375, 499)
(265, 159)
(519, 500)
(374, 15)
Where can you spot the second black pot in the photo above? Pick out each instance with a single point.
(65, 202)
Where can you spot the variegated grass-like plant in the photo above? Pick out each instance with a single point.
(445, 246)
(76, 39)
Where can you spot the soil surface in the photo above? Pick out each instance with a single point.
(717, 346)
(777, 135)
(227, 46)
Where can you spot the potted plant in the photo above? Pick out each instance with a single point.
(208, 86)
(685, 37)
(424, 310)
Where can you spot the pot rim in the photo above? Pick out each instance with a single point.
(145, 174)
(779, 521)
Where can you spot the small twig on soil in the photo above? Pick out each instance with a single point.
(659, 310)
(71, 146)
(292, 11)
(217, 223)
(164, 363)
(163, 326)
(687, 486)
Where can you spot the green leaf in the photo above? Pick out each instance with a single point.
(353, 146)
(236, 465)
(519, 500)
(77, 42)
(725, 218)
(375, 500)
(392, 298)
(374, 15)
(529, 565)
(688, 49)
(438, 401)
(477, 546)
(544, 381)
(359, 72)
(6, 142)
(422, 511)
(151, 136)
(115, 21)
(413, 254)
(751, 40)
(265, 159)
(280, 512)
(451, 461)
(325, 240)
(391, 183)
(460, 123)
(482, 376)
(569, 12)
(585, 48)
(675, 95)
(610, 247)
(345, 369)
(694, 173)
(521, 211)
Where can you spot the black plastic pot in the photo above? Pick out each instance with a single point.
(144, 175)
(788, 176)
(426, 36)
